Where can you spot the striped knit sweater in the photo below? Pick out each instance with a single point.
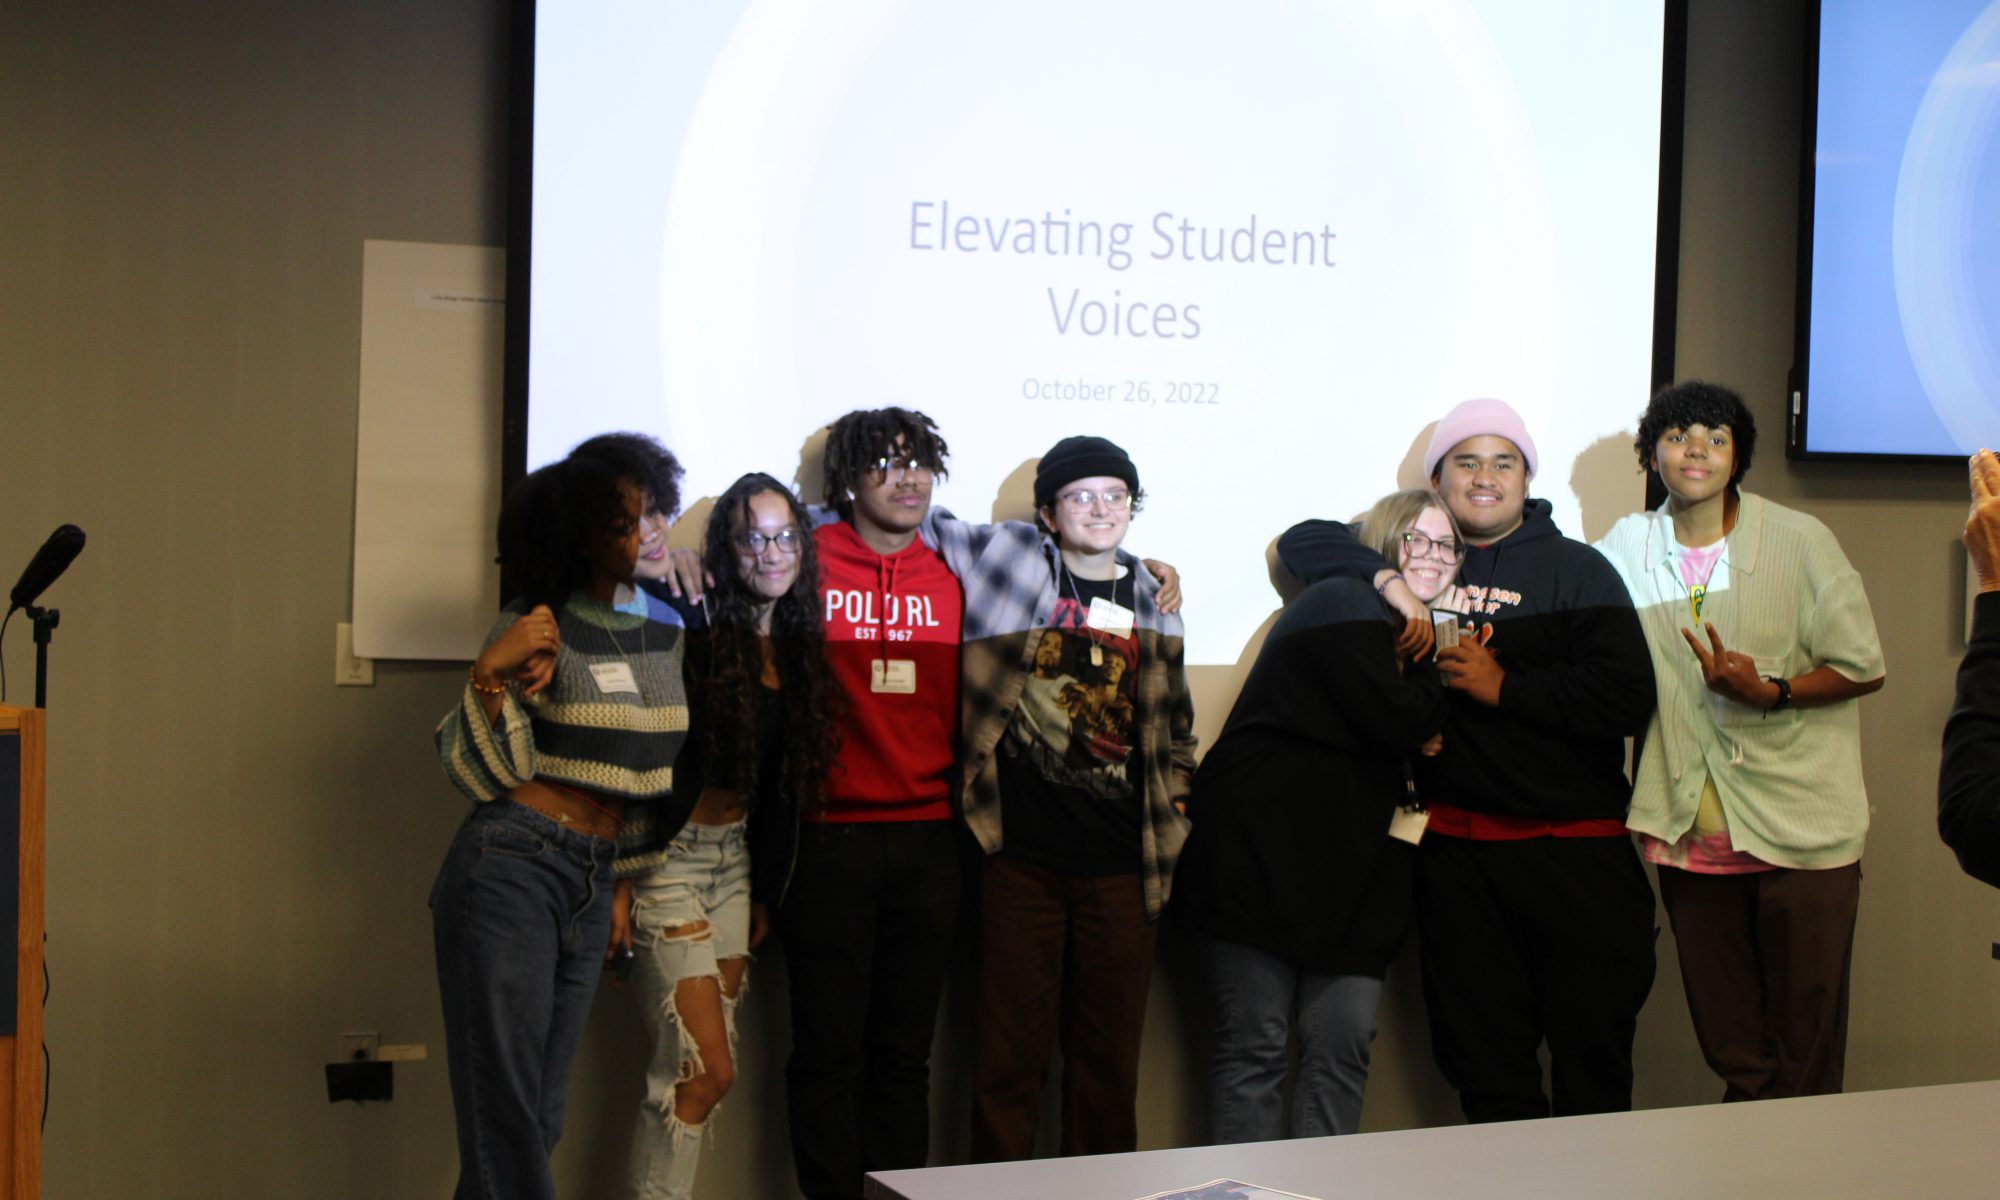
(574, 732)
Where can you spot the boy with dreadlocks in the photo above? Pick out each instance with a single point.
(867, 922)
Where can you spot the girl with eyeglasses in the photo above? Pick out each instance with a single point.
(1298, 872)
(760, 736)
(1079, 745)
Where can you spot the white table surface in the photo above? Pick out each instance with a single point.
(1911, 1142)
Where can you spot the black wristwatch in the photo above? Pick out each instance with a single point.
(1784, 693)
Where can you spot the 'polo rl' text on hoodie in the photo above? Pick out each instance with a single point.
(892, 629)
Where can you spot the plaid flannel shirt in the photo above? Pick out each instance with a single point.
(1009, 574)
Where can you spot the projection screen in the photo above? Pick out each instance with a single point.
(1262, 246)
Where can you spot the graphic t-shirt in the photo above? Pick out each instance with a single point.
(1066, 794)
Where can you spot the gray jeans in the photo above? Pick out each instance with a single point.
(1260, 999)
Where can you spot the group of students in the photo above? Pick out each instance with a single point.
(670, 758)
(1729, 635)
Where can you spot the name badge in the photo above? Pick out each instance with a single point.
(1109, 617)
(897, 676)
(1408, 825)
(613, 678)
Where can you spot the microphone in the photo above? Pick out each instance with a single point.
(47, 566)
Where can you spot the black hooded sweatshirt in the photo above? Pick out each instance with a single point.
(1578, 677)
(1290, 849)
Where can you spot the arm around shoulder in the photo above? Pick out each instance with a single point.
(961, 543)
(1316, 550)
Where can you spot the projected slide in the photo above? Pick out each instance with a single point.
(1262, 246)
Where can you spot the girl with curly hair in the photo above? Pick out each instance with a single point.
(570, 718)
(759, 741)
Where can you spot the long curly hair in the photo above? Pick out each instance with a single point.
(736, 668)
(549, 522)
(859, 440)
(643, 459)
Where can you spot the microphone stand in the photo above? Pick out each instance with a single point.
(46, 620)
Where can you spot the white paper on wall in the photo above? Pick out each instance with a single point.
(427, 458)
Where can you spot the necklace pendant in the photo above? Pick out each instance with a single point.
(1696, 595)
(1096, 655)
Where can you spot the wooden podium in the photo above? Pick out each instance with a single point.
(23, 744)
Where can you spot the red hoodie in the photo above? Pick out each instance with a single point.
(892, 624)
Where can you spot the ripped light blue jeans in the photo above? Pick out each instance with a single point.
(706, 878)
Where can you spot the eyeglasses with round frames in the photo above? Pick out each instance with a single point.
(752, 542)
(1081, 500)
(1421, 545)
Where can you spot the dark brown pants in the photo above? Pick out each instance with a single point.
(1060, 956)
(1764, 960)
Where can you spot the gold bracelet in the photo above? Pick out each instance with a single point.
(472, 677)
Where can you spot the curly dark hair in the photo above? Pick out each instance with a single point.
(551, 519)
(862, 438)
(1694, 402)
(736, 664)
(642, 459)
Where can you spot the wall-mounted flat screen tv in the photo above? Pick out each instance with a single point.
(1898, 351)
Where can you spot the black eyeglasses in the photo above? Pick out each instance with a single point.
(895, 469)
(1422, 544)
(752, 542)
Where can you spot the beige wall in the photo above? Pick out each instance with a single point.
(239, 852)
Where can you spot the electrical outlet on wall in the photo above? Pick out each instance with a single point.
(349, 671)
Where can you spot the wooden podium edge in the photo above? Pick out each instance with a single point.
(24, 1103)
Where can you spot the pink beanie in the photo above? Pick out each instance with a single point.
(1475, 418)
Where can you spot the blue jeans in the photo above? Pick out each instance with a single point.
(1255, 996)
(520, 913)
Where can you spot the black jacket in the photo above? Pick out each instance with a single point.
(1969, 775)
(1578, 677)
(1289, 850)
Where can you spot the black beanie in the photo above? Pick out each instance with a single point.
(1080, 457)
